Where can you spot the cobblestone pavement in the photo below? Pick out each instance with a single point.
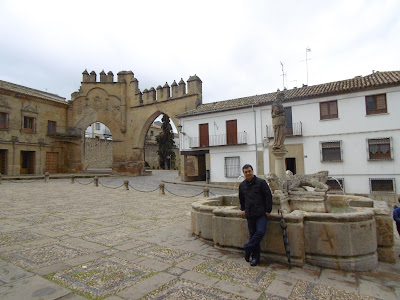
(73, 241)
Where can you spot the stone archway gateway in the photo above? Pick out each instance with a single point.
(128, 113)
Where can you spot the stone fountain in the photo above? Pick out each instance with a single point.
(344, 232)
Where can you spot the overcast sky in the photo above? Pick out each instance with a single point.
(235, 47)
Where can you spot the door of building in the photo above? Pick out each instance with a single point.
(27, 162)
(291, 164)
(204, 139)
(52, 162)
(231, 132)
(3, 162)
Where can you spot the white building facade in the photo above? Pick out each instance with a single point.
(350, 128)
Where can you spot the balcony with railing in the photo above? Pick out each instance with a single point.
(219, 140)
(295, 130)
(62, 132)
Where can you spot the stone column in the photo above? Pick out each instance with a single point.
(280, 169)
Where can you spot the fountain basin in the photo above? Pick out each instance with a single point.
(353, 235)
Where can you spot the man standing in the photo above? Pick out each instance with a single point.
(256, 205)
(396, 217)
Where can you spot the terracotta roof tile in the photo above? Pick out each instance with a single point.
(372, 81)
(30, 92)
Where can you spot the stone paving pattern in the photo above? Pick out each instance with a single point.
(72, 241)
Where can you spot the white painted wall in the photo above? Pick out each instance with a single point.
(353, 127)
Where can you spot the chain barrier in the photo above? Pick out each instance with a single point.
(183, 195)
(84, 183)
(111, 187)
(133, 188)
(23, 180)
(130, 185)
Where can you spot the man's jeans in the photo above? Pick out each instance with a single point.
(257, 228)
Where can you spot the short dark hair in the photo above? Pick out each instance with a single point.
(398, 199)
(246, 166)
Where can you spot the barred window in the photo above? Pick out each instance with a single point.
(336, 184)
(51, 127)
(29, 124)
(376, 104)
(331, 151)
(382, 185)
(379, 149)
(3, 120)
(328, 110)
(232, 166)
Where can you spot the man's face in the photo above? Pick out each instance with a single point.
(248, 173)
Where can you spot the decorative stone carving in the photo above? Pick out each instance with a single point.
(279, 122)
(317, 181)
(29, 107)
(4, 102)
(276, 184)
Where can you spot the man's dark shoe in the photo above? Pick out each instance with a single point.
(247, 254)
(254, 262)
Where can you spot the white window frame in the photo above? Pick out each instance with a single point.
(382, 192)
(232, 173)
(380, 138)
(340, 183)
(321, 150)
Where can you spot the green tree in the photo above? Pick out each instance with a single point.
(165, 142)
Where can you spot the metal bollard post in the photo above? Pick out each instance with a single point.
(206, 192)
(96, 181)
(162, 192)
(46, 177)
(126, 184)
(72, 178)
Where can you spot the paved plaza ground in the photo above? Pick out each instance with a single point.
(74, 241)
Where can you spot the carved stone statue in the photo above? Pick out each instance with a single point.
(278, 122)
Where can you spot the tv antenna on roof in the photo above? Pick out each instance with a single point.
(283, 76)
(307, 59)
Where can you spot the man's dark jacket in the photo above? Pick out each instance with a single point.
(255, 197)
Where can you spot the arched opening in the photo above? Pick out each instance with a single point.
(98, 148)
(153, 160)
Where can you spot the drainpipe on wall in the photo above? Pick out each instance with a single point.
(255, 138)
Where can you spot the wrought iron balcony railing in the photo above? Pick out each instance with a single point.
(295, 130)
(65, 132)
(219, 140)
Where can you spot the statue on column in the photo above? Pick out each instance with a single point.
(278, 122)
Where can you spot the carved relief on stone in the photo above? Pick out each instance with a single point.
(96, 102)
(79, 109)
(116, 109)
(29, 107)
(4, 102)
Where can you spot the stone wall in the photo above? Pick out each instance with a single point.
(98, 153)
(151, 156)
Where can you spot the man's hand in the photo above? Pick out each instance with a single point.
(243, 214)
(267, 214)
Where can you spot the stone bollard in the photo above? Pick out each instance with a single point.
(96, 181)
(72, 178)
(162, 192)
(46, 177)
(206, 192)
(126, 184)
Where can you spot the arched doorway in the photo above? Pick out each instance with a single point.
(98, 147)
(151, 146)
